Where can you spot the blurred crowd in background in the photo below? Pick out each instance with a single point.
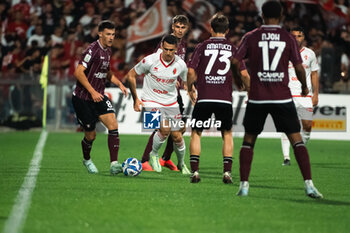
(32, 28)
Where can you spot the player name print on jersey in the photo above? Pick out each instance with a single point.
(271, 41)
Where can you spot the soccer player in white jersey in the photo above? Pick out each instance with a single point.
(159, 94)
(304, 105)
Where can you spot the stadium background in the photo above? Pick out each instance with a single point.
(62, 29)
(64, 198)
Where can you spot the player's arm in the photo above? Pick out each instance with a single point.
(246, 80)
(81, 77)
(300, 72)
(237, 76)
(315, 87)
(191, 79)
(112, 78)
(131, 78)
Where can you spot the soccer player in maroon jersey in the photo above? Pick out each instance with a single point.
(180, 25)
(89, 101)
(268, 50)
(210, 68)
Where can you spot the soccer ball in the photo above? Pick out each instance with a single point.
(131, 167)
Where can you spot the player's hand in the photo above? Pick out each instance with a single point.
(178, 84)
(304, 91)
(193, 95)
(97, 97)
(123, 89)
(137, 105)
(314, 100)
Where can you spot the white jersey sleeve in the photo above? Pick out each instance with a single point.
(310, 64)
(183, 74)
(143, 66)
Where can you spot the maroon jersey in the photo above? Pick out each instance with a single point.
(96, 61)
(211, 61)
(269, 49)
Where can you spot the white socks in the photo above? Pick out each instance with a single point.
(305, 136)
(285, 146)
(158, 140)
(180, 150)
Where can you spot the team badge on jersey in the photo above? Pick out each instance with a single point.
(174, 71)
(87, 57)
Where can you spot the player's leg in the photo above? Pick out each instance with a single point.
(86, 144)
(158, 140)
(165, 160)
(201, 112)
(303, 160)
(110, 121)
(253, 122)
(286, 120)
(285, 149)
(145, 156)
(224, 113)
(87, 119)
(180, 150)
(245, 162)
(195, 151)
(306, 130)
(305, 112)
(227, 151)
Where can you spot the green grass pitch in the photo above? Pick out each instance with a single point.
(68, 199)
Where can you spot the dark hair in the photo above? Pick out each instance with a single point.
(298, 29)
(180, 19)
(105, 24)
(219, 23)
(170, 39)
(272, 9)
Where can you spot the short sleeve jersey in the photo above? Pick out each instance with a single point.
(159, 83)
(269, 50)
(211, 61)
(310, 64)
(96, 60)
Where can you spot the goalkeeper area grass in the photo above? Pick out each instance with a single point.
(65, 198)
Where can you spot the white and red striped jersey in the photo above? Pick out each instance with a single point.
(159, 84)
(310, 64)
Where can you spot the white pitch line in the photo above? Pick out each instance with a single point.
(18, 215)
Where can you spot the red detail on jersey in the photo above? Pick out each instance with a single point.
(109, 95)
(174, 71)
(160, 91)
(161, 60)
(143, 61)
(294, 78)
(305, 57)
(162, 80)
(166, 105)
(302, 49)
(155, 68)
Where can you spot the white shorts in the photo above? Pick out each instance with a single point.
(304, 107)
(169, 113)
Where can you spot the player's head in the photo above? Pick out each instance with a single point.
(271, 9)
(219, 23)
(106, 32)
(169, 47)
(180, 26)
(298, 33)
